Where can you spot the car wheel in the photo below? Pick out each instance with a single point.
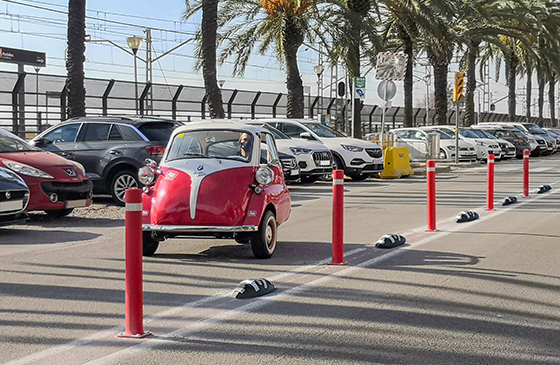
(59, 213)
(121, 181)
(149, 243)
(442, 154)
(337, 165)
(263, 242)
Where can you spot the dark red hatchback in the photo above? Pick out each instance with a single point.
(56, 185)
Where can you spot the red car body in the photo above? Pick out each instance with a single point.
(216, 194)
(56, 184)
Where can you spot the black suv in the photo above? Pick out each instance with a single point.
(112, 149)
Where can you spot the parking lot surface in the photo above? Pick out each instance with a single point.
(471, 293)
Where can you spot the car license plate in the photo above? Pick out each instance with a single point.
(8, 206)
(76, 203)
(324, 163)
(293, 172)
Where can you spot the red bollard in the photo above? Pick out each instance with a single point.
(133, 267)
(338, 218)
(431, 188)
(490, 182)
(526, 154)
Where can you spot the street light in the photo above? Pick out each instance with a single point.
(135, 43)
(319, 71)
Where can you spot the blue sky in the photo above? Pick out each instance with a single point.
(40, 25)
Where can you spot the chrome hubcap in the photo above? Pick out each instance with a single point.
(124, 182)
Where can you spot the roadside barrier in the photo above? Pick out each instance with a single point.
(431, 190)
(466, 216)
(338, 218)
(526, 154)
(134, 301)
(490, 187)
(396, 163)
(390, 241)
(509, 200)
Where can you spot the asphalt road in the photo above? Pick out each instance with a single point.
(482, 292)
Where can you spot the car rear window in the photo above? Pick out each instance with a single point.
(157, 131)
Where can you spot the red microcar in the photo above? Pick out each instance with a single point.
(219, 179)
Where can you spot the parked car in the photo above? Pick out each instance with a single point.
(507, 148)
(313, 158)
(216, 179)
(483, 145)
(57, 185)
(14, 196)
(540, 144)
(111, 149)
(358, 158)
(512, 135)
(416, 140)
(290, 168)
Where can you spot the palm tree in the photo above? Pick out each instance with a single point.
(278, 25)
(207, 52)
(75, 58)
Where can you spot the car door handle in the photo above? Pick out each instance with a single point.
(115, 152)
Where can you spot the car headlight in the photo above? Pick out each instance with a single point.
(146, 175)
(27, 170)
(264, 175)
(300, 150)
(352, 148)
(79, 166)
(451, 148)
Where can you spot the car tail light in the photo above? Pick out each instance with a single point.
(156, 151)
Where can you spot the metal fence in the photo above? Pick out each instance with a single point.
(29, 103)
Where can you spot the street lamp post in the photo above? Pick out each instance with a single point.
(319, 71)
(135, 43)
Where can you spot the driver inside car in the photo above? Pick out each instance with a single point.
(245, 144)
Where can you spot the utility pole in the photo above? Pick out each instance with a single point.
(149, 104)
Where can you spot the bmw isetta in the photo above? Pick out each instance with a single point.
(219, 179)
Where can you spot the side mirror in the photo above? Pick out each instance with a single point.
(306, 135)
(39, 142)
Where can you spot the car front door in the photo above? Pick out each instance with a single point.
(98, 145)
(61, 140)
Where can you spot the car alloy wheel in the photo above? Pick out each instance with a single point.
(263, 242)
(122, 181)
(442, 154)
(149, 243)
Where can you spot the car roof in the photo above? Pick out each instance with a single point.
(120, 119)
(218, 124)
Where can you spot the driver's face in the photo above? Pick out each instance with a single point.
(244, 141)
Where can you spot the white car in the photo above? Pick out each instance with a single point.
(483, 145)
(314, 159)
(416, 139)
(358, 158)
(507, 148)
(539, 145)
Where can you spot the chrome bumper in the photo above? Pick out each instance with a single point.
(198, 229)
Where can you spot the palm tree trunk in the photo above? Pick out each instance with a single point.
(528, 86)
(472, 53)
(511, 73)
(75, 58)
(408, 80)
(551, 87)
(441, 67)
(541, 100)
(209, 27)
(294, 84)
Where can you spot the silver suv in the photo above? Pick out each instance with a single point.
(111, 149)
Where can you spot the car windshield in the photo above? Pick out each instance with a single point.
(275, 132)
(488, 134)
(442, 134)
(481, 134)
(468, 133)
(534, 129)
(11, 143)
(222, 144)
(157, 131)
(323, 130)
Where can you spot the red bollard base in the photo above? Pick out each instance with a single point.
(140, 335)
(339, 263)
(432, 230)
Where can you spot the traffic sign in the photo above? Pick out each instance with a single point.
(360, 87)
(24, 57)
